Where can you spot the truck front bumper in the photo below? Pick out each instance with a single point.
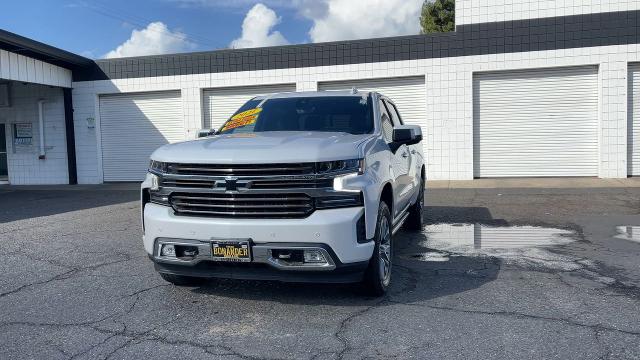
(333, 232)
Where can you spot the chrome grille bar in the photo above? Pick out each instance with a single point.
(242, 205)
(261, 214)
(241, 169)
(215, 197)
(255, 184)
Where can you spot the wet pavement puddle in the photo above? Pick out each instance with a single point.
(476, 237)
(516, 244)
(631, 233)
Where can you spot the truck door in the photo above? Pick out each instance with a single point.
(399, 163)
(414, 176)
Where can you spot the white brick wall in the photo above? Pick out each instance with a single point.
(481, 11)
(448, 123)
(24, 166)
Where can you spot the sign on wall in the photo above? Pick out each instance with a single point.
(22, 133)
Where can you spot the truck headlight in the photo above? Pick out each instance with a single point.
(156, 197)
(154, 181)
(154, 193)
(158, 166)
(341, 166)
(339, 201)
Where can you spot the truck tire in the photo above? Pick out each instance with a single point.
(180, 280)
(415, 221)
(378, 275)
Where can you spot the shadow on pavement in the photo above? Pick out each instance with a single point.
(413, 280)
(25, 204)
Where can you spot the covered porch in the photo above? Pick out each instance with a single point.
(37, 142)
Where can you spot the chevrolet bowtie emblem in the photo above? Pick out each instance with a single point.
(233, 184)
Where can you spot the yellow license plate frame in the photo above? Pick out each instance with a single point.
(231, 250)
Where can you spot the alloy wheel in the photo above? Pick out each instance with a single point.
(384, 251)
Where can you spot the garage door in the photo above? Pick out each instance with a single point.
(132, 126)
(536, 123)
(408, 93)
(633, 141)
(220, 104)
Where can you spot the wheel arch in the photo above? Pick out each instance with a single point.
(386, 195)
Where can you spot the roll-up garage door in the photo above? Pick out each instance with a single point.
(132, 126)
(633, 141)
(220, 104)
(408, 93)
(534, 123)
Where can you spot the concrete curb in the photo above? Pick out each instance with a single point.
(540, 183)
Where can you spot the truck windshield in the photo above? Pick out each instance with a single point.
(348, 114)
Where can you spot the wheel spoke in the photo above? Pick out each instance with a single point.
(384, 252)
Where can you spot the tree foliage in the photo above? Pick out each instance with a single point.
(438, 16)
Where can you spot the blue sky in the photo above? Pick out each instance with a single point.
(95, 27)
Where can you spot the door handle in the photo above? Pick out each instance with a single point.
(405, 155)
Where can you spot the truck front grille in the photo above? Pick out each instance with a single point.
(265, 184)
(241, 169)
(242, 205)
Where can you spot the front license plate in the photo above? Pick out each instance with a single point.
(236, 251)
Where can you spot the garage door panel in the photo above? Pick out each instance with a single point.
(408, 93)
(536, 123)
(132, 126)
(219, 104)
(633, 132)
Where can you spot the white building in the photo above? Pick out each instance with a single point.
(36, 120)
(521, 88)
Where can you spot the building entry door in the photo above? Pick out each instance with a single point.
(3, 154)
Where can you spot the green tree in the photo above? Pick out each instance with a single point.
(438, 16)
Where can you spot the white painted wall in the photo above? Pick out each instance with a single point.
(482, 11)
(25, 69)
(24, 166)
(447, 124)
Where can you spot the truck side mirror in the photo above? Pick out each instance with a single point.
(407, 134)
(206, 132)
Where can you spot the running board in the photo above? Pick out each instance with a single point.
(399, 223)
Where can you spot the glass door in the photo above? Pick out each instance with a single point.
(3, 154)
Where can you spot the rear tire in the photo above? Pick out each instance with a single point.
(378, 275)
(180, 280)
(415, 220)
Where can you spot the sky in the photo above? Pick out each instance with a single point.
(120, 28)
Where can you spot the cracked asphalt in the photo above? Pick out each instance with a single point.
(75, 283)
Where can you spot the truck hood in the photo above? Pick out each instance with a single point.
(266, 147)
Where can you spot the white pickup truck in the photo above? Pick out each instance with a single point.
(295, 187)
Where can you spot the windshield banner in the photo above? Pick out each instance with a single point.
(242, 119)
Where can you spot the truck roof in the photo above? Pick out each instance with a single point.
(321, 93)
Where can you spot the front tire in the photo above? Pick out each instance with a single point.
(180, 280)
(378, 275)
(415, 221)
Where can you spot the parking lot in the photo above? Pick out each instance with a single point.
(497, 273)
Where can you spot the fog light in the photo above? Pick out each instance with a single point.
(190, 251)
(168, 250)
(314, 256)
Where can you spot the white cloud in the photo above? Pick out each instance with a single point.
(348, 19)
(232, 3)
(155, 39)
(257, 29)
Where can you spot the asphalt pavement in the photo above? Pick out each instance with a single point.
(497, 273)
